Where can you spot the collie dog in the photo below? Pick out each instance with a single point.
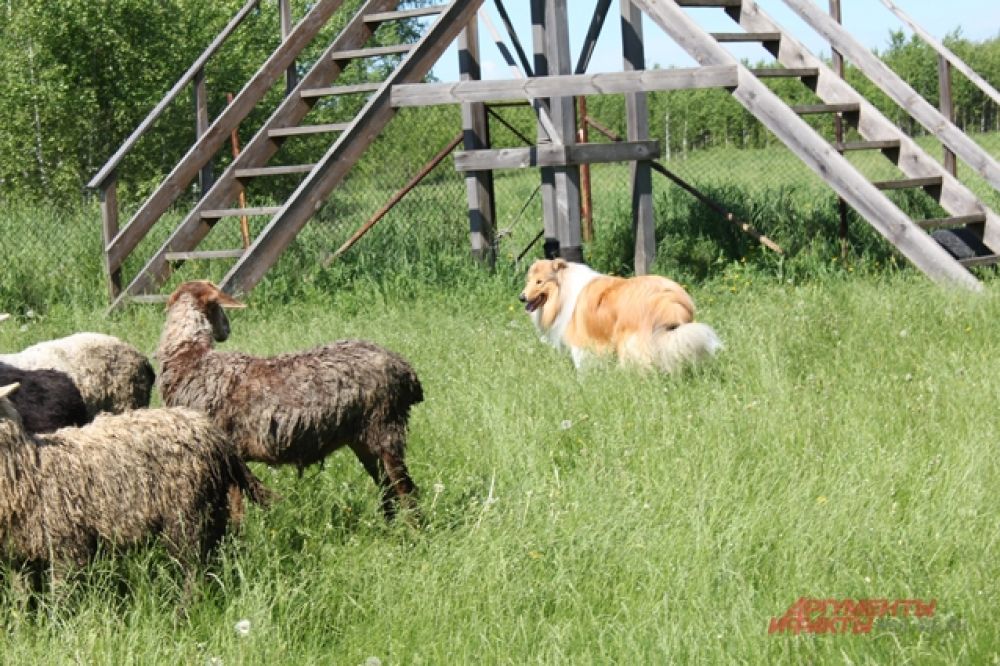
(647, 321)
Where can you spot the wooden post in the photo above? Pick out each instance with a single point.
(637, 114)
(838, 130)
(108, 197)
(548, 186)
(947, 105)
(476, 136)
(586, 201)
(566, 179)
(291, 74)
(200, 97)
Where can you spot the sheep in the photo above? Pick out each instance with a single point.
(294, 408)
(114, 483)
(47, 399)
(111, 374)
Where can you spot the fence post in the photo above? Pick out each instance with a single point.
(108, 197)
(637, 115)
(838, 129)
(200, 97)
(947, 105)
(476, 136)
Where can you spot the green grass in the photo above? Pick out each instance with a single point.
(841, 446)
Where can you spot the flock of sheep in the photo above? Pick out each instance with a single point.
(85, 464)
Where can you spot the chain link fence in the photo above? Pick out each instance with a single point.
(736, 167)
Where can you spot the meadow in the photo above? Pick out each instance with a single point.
(840, 447)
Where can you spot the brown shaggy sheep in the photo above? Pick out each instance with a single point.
(293, 408)
(116, 482)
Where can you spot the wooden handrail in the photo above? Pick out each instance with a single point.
(944, 52)
(110, 166)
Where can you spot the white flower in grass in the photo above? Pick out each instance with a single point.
(213, 661)
(566, 425)
(373, 661)
(438, 488)
(242, 628)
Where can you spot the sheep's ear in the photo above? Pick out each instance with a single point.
(226, 301)
(7, 390)
(559, 264)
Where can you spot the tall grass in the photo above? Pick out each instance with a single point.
(840, 447)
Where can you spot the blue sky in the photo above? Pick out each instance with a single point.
(869, 21)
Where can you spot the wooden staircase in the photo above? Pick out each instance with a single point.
(977, 241)
(348, 142)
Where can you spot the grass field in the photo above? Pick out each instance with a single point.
(840, 447)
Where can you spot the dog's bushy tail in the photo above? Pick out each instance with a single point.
(684, 345)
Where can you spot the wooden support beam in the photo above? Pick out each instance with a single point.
(108, 195)
(947, 106)
(548, 185)
(567, 85)
(479, 190)
(637, 118)
(199, 95)
(547, 155)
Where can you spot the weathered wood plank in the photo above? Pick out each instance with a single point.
(274, 171)
(812, 149)
(108, 196)
(332, 91)
(610, 83)
(403, 14)
(204, 254)
(372, 52)
(345, 152)
(302, 130)
(547, 155)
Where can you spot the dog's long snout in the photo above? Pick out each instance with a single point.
(521, 297)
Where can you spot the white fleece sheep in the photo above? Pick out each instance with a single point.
(112, 375)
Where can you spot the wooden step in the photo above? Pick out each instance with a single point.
(908, 183)
(303, 130)
(260, 211)
(342, 90)
(985, 260)
(892, 144)
(403, 14)
(747, 36)
(274, 171)
(710, 3)
(149, 298)
(372, 52)
(203, 254)
(806, 109)
(957, 221)
(784, 72)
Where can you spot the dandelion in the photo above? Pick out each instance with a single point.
(242, 628)
(373, 661)
(438, 488)
(566, 425)
(214, 661)
(534, 554)
(821, 499)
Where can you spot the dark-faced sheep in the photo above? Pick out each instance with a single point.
(115, 483)
(293, 408)
(112, 375)
(47, 400)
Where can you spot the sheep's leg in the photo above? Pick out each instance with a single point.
(400, 487)
(373, 465)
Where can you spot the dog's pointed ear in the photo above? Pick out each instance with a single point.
(559, 264)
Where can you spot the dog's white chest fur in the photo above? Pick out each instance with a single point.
(572, 281)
